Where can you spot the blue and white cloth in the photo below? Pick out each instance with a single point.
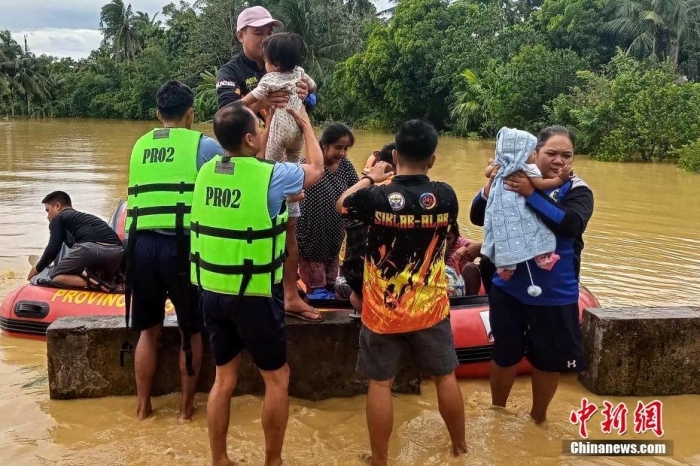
(512, 232)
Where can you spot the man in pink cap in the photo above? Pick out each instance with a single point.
(235, 80)
(242, 73)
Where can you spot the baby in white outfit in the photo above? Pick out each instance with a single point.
(283, 53)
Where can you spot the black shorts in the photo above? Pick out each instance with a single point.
(101, 259)
(257, 325)
(159, 273)
(432, 348)
(549, 336)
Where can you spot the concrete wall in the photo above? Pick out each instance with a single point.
(642, 351)
(83, 360)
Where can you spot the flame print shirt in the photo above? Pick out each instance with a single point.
(405, 286)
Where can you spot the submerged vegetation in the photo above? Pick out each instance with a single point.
(623, 74)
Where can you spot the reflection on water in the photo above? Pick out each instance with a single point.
(642, 238)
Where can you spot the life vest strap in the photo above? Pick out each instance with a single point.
(181, 188)
(160, 210)
(248, 234)
(247, 268)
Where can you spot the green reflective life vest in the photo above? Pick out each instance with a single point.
(162, 171)
(235, 247)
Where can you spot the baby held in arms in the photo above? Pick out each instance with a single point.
(513, 233)
(283, 53)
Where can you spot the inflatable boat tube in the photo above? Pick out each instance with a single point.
(28, 311)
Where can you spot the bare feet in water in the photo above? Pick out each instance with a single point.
(537, 418)
(186, 409)
(461, 449)
(223, 462)
(186, 414)
(144, 411)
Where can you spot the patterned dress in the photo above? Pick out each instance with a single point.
(286, 138)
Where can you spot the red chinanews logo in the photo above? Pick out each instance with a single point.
(647, 417)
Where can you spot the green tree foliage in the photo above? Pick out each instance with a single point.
(515, 93)
(689, 157)
(657, 28)
(632, 111)
(578, 25)
(121, 33)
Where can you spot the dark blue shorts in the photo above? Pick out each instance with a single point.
(257, 325)
(549, 336)
(159, 274)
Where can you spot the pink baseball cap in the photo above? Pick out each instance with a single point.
(256, 16)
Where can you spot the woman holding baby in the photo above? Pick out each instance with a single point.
(533, 304)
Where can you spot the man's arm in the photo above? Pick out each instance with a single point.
(56, 240)
(228, 88)
(313, 168)
(357, 205)
(208, 149)
(377, 174)
(287, 180)
(569, 218)
(477, 213)
(261, 91)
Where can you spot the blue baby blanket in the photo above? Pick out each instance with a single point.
(512, 232)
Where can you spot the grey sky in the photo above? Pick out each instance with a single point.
(68, 27)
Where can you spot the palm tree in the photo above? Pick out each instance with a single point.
(32, 80)
(149, 29)
(119, 26)
(657, 27)
(323, 49)
(147, 20)
(205, 100)
(10, 60)
(21, 73)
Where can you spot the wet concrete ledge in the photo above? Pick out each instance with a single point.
(639, 351)
(83, 360)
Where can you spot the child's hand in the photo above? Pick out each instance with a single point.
(303, 88)
(494, 170)
(460, 254)
(566, 172)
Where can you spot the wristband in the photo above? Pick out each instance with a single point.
(371, 180)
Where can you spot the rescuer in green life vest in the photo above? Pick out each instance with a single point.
(238, 228)
(162, 171)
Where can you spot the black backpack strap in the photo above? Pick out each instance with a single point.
(127, 346)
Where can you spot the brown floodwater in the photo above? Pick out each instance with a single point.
(641, 249)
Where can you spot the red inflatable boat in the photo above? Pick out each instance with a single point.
(31, 308)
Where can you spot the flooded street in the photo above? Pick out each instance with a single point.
(642, 248)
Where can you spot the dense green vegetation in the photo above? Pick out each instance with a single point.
(622, 73)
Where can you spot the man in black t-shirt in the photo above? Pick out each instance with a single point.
(96, 250)
(241, 74)
(404, 290)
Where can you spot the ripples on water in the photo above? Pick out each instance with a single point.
(641, 248)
